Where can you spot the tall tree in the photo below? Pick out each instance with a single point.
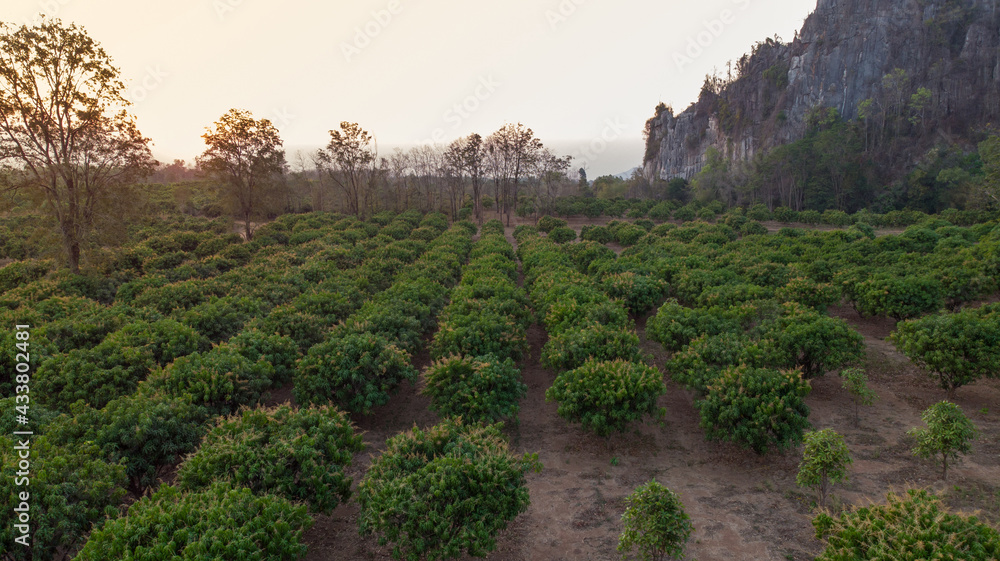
(244, 154)
(349, 161)
(468, 154)
(65, 131)
(517, 150)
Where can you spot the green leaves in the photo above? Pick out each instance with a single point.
(756, 408)
(607, 396)
(948, 433)
(443, 492)
(655, 524)
(221, 522)
(356, 371)
(908, 528)
(824, 461)
(299, 454)
(959, 347)
(480, 389)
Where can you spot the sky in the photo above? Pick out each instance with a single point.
(584, 75)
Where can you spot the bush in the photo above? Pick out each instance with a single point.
(638, 292)
(674, 326)
(480, 334)
(547, 224)
(686, 213)
(911, 527)
(756, 408)
(220, 523)
(355, 371)
(759, 213)
(71, 489)
(785, 214)
(599, 234)
(959, 348)
(280, 351)
(571, 348)
(298, 454)
(562, 235)
(753, 228)
(809, 293)
(478, 389)
(655, 523)
(629, 234)
(898, 297)
(824, 461)
(221, 379)
(949, 433)
(815, 342)
(607, 396)
(812, 217)
(443, 492)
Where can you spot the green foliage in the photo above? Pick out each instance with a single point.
(756, 408)
(824, 461)
(675, 326)
(949, 433)
(298, 454)
(71, 488)
(480, 334)
(599, 234)
(638, 292)
(221, 318)
(585, 341)
(908, 528)
(355, 371)
(810, 293)
(655, 523)
(856, 384)
(815, 342)
(443, 492)
(606, 396)
(477, 389)
(753, 228)
(562, 234)
(960, 347)
(221, 379)
(278, 350)
(221, 522)
(897, 297)
(547, 223)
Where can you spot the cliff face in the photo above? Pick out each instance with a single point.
(841, 58)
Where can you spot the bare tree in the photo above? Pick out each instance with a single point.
(349, 163)
(514, 150)
(244, 155)
(469, 155)
(65, 132)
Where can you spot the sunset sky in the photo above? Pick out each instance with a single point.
(583, 74)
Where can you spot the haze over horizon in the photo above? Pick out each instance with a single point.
(584, 75)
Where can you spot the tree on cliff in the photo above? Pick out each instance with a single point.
(65, 133)
(244, 155)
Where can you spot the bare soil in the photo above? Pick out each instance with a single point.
(742, 506)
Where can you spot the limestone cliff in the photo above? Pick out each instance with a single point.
(839, 59)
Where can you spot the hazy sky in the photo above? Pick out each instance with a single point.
(583, 74)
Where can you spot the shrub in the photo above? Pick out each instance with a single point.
(355, 371)
(480, 334)
(910, 527)
(756, 408)
(898, 297)
(759, 213)
(571, 348)
(547, 223)
(753, 228)
(785, 214)
(949, 433)
(599, 234)
(675, 326)
(661, 211)
(478, 389)
(824, 461)
(302, 327)
(959, 348)
(221, 318)
(298, 454)
(686, 213)
(655, 523)
(562, 235)
(221, 379)
(815, 342)
(810, 217)
(809, 293)
(71, 489)
(221, 522)
(629, 234)
(607, 396)
(856, 384)
(638, 292)
(443, 492)
(280, 351)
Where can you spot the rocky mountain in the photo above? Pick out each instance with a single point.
(929, 66)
